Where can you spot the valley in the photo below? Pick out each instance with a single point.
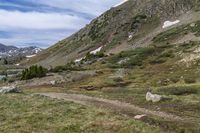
(134, 69)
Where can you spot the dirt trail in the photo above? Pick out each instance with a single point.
(118, 106)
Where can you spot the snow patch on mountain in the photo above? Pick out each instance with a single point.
(37, 50)
(96, 50)
(30, 56)
(170, 23)
(78, 60)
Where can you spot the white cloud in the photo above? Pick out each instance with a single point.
(93, 7)
(46, 28)
(38, 20)
(120, 3)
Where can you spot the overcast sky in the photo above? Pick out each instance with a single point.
(44, 22)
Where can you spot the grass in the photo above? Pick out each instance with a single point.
(135, 58)
(184, 102)
(25, 113)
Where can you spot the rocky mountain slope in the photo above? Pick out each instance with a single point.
(133, 24)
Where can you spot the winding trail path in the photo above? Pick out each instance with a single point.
(125, 108)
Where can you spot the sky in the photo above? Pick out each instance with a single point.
(42, 23)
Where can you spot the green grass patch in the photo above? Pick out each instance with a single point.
(134, 57)
(24, 113)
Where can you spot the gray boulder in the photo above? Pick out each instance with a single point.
(10, 89)
(153, 97)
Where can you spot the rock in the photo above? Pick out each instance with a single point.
(153, 97)
(138, 117)
(192, 25)
(89, 88)
(53, 82)
(10, 89)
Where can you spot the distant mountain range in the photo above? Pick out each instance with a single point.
(9, 51)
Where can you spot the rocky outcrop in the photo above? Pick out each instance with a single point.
(10, 89)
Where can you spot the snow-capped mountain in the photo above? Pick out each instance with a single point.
(8, 51)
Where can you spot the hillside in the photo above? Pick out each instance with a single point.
(130, 25)
(135, 69)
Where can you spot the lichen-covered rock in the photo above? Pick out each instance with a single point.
(10, 89)
(153, 97)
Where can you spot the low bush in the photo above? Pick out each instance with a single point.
(181, 90)
(175, 79)
(68, 67)
(189, 80)
(157, 61)
(90, 56)
(136, 57)
(168, 54)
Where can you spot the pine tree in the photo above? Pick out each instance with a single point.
(33, 71)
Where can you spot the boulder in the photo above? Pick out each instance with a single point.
(53, 82)
(138, 117)
(10, 89)
(153, 97)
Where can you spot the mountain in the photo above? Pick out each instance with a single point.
(140, 61)
(8, 51)
(4, 48)
(133, 24)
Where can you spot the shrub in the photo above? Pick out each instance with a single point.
(189, 80)
(90, 56)
(33, 72)
(136, 57)
(138, 20)
(68, 67)
(175, 79)
(157, 61)
(181, 90)
(168, 54)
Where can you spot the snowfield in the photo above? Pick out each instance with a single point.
(78, 60)
(96, 50)
(170, 23)
(30, 56)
